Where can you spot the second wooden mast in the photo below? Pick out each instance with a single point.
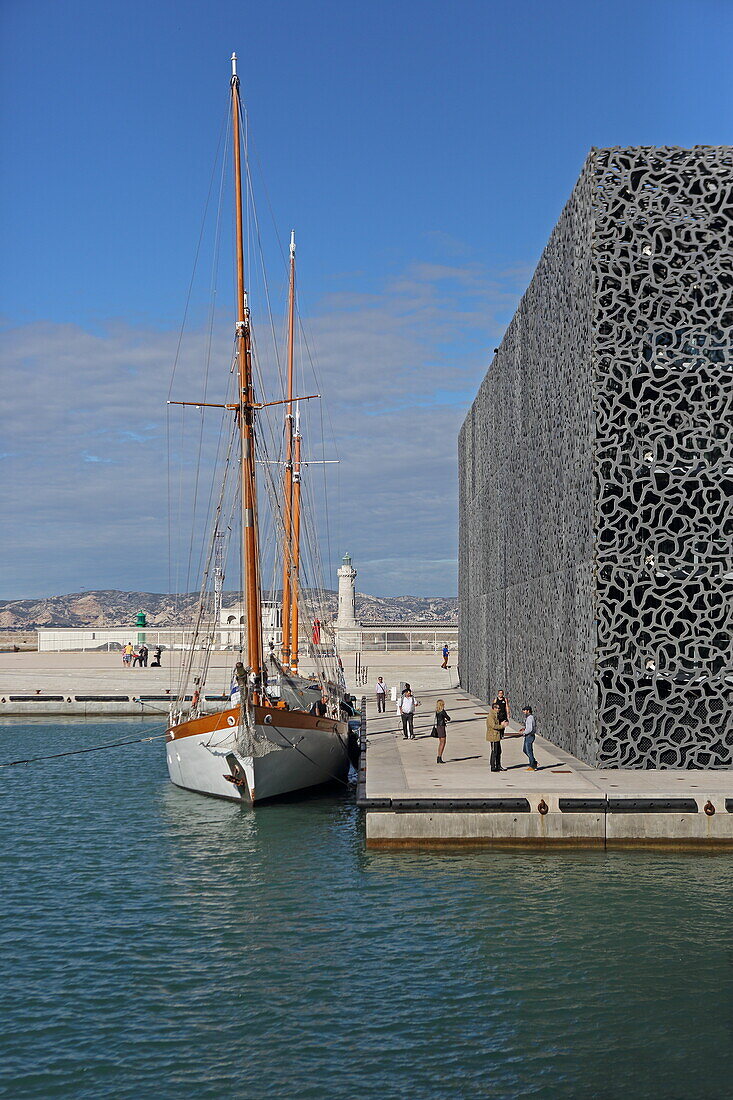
(288, 474)
(295, 548)
(246, 414)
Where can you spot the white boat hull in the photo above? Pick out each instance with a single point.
(202, 756)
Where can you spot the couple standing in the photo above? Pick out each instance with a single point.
(496, 723)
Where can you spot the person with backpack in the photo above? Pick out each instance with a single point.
(381, 692)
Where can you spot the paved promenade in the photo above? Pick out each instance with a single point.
(62, 677)
(411, 800)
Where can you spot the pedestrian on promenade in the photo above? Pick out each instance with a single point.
(408, 702)
(137, 658)
(494, 734)
(503, 704)
(529, 730)
(144, 655)
(446, 655)
(127, 654)
(381, 695)
(441, 720)
(155, 663)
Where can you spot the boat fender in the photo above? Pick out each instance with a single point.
(542, 807)
(195, 700)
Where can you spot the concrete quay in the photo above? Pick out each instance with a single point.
(73, 683)
(85, 685)
(410, 801)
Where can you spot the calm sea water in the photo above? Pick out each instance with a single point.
(159, 944)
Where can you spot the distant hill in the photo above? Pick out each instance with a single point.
(113, 608)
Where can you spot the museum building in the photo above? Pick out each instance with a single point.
(595, 467)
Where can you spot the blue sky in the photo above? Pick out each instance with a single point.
(423, 151)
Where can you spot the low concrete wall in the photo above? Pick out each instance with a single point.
(73, 707)
(607, 828)
(494, 828)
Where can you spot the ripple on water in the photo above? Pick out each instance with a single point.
(158, 944)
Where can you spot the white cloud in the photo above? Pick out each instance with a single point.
(85, 435)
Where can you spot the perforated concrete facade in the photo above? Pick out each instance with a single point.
(594, 472)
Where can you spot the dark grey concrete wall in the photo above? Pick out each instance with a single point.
(526, 498)
(594, 509)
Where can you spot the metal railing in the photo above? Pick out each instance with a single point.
(394, 639)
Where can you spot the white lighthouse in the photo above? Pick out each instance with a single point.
(346, 618)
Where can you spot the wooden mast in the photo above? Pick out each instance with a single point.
(295, 545)
(245, 414)
(288, 475)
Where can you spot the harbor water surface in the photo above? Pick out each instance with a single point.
(155, 943)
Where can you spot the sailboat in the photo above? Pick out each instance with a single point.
(278, 732)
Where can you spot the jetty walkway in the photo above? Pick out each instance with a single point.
(410, 800)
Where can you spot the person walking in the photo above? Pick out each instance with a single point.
(381, 691)
(446, 655)
(441, 720)
(407, 714)
(128, 652)
(494, 733)
(144, 655)
(529, 729)
(503, 704)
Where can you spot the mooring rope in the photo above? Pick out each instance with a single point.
(79, 752)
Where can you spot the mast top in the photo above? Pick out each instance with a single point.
(234, 64)
(292, 242)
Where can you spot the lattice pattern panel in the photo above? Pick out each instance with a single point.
(663, 358)
(594, 571)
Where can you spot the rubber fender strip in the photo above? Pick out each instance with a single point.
(582, 805)
(38, 698)
(102, 698)
(652, 805)
(478, 805)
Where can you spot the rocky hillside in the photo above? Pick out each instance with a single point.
(112, 608)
